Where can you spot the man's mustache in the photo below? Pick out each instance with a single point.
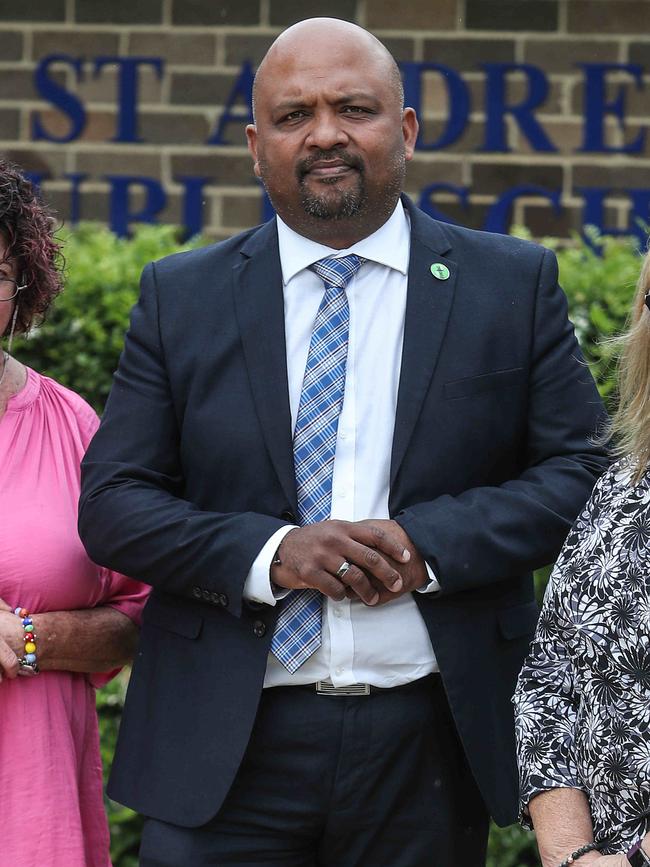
(304, 166)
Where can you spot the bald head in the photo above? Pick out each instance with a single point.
(298, 42)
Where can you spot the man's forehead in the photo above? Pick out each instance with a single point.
(294, 76)
(287, 94)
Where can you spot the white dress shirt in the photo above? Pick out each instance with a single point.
(387, 645)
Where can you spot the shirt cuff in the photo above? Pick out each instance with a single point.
(257, 587)
(433, 586)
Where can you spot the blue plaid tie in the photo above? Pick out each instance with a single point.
(298, 631)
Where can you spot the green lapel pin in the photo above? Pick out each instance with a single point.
(440, 271)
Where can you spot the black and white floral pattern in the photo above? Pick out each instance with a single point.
(583, 698)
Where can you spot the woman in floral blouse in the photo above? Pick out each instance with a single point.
(583, 698)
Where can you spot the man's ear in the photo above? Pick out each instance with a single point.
(410, 129)
(251, 141)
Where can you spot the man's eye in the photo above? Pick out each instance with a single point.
(355, 109)
(294, 115)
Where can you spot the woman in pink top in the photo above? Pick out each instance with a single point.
(65, 624)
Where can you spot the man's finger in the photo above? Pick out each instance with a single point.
(359, 583)
(373, 564)
(377, 536)
(327, 585)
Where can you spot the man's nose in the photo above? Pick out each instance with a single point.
(327, 131)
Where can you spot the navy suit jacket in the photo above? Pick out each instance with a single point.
(191, 472)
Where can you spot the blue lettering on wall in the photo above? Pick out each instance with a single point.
(594, 211)
(458, 99)
(56, 94)
(76, 180)
(192, 202)
(242, 91)
(597, 107)
(498, 215)
(426, 204)
(497, 107)
(127, 91)
(121, 216)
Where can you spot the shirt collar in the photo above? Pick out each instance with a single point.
(389, 246)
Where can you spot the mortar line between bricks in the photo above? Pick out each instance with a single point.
(269, 30)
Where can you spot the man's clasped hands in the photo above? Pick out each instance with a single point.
(383, 562)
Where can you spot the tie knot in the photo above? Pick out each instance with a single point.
(337, 272)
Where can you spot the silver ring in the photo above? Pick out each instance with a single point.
(343, 569)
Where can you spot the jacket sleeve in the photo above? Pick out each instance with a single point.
(488, 534)
(132, 516)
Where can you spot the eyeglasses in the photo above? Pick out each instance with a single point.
(9, 281)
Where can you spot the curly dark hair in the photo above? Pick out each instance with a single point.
(27, 227)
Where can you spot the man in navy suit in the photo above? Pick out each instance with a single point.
(337, 445)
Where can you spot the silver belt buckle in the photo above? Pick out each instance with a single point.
(323, 687)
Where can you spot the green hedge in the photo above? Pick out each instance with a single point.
(80, 342)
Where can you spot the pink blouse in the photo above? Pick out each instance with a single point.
(51, 804)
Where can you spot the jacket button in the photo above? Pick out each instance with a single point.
(223, 600)
(196, 592)
(259, 628)
(287, 515)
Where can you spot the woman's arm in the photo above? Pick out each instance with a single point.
(93, 640)
(562, 821)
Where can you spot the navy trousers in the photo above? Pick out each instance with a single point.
(330, 781)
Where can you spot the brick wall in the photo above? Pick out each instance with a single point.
(203, 44)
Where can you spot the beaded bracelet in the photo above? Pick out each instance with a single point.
(28, 663)
(588, 847)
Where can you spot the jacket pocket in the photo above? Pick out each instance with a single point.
(518, 620)
(172, 617)
(470, 385)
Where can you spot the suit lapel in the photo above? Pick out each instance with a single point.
(259, 305)
(428, 305)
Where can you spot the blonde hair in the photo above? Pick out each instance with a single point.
(630, 425)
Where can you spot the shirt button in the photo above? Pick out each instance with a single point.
(339, 669)
(337, 612)
(343, 435)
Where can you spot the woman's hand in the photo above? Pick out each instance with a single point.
(618, 860)
(11, 629)
(11, 641)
